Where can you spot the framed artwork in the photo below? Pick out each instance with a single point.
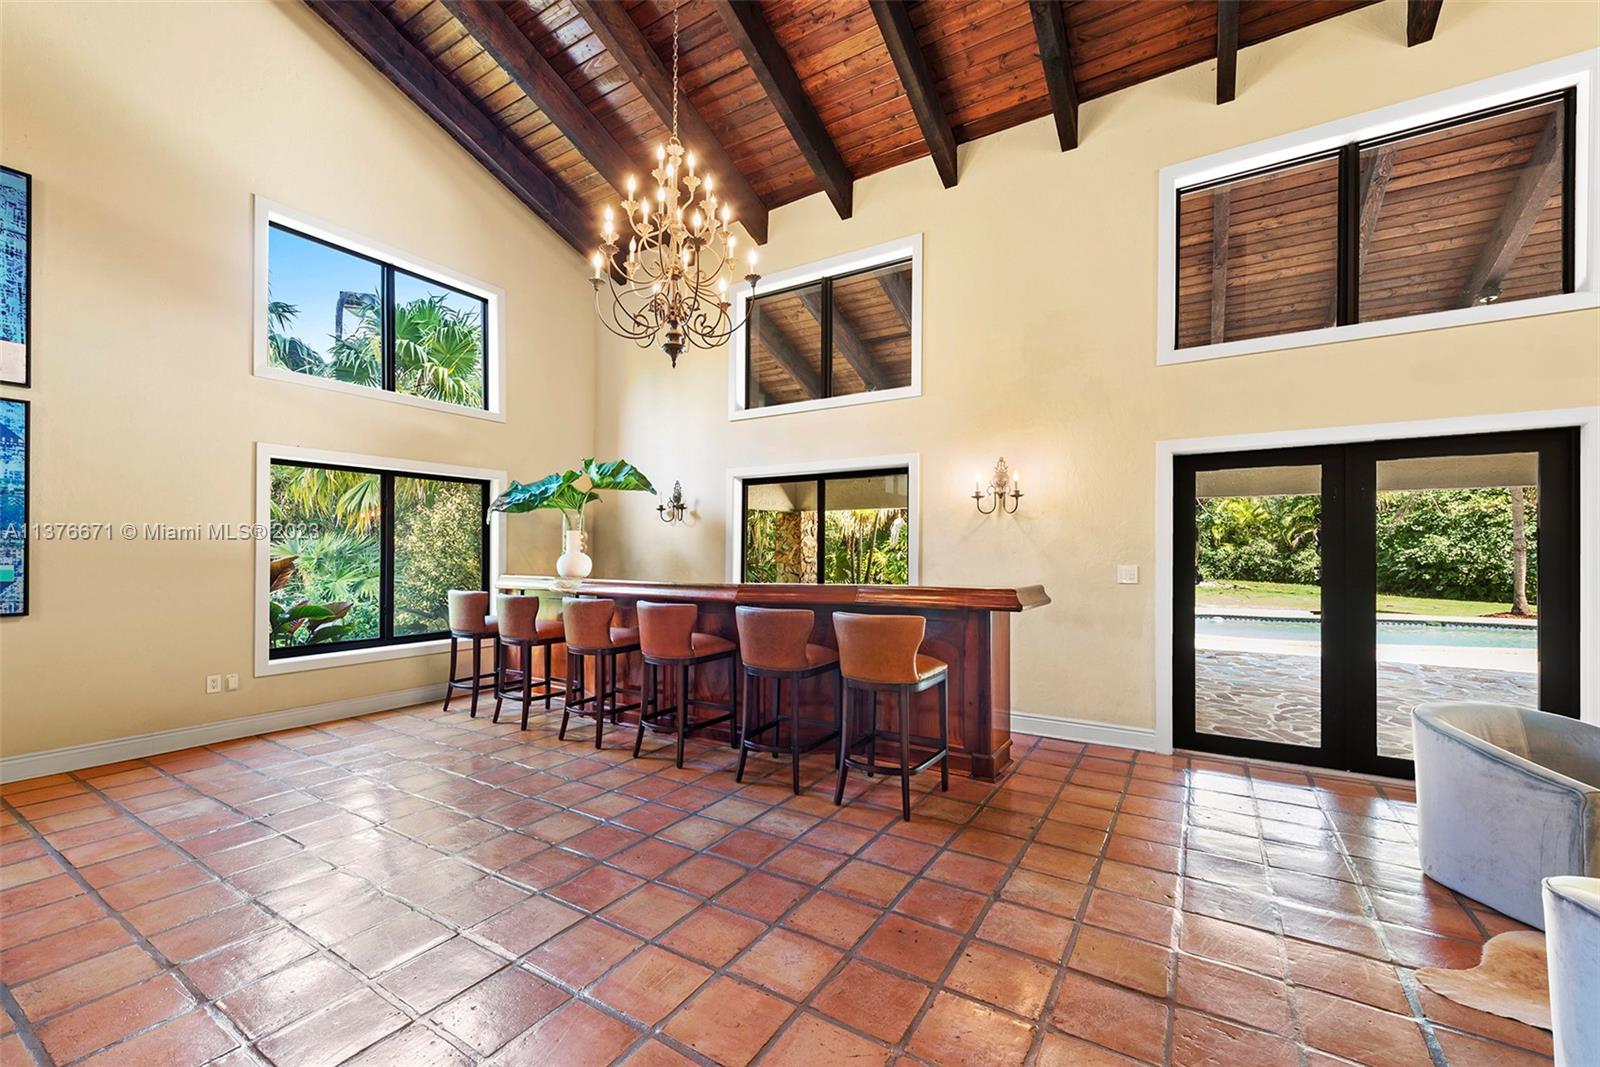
(16, 275)
(13, 507)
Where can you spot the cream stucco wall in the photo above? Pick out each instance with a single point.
(1039, 290)
(147, 128)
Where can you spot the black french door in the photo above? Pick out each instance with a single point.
(1321, 593)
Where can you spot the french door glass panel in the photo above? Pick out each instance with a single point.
(1258, 604)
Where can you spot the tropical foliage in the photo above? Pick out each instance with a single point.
(438, 348)
(860, 546)
(1263, 539)
(563, 493)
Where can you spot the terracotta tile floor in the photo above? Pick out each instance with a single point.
(417, 888)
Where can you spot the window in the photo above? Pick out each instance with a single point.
(346, 314)
(1462, 207)
(832, 333)
(362, 558)
(851, 528)
(1461, 213)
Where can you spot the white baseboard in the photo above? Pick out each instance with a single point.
(1097, 733)
(77, 757)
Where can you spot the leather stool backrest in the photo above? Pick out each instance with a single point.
(665, 629)
(468, 609)
(588, 621)
(879, 648)
(774, 639)
(517, 615)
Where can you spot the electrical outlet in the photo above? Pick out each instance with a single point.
(1127, 574)
(233, 682)
(213, 683)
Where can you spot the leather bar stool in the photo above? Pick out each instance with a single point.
(470, 621)
(590, 635)
(880, 654)
(673, 650)
(522, 629)
(774, 643)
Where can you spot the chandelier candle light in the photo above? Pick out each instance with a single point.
(674, 269)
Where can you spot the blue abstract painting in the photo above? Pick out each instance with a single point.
(13, 507)
(16, 209)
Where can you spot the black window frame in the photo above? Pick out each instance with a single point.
(820, 480)
(825, 374)
(1347, 280)
(387, 309)
(386, 558)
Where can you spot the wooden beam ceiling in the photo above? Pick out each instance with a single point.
(1227, 49)
(773, 340)
(846, 341)
(367, 30)
(894, 22)
(749, 29)
(525, 65)
(1422, 18)
(896, 285)
(616, 30)
(1050, 30)
(1528, 197)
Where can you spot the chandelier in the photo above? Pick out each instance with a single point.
(668, 284)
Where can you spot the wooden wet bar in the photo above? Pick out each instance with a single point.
(967, 628)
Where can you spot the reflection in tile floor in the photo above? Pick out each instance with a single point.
(423, 888)
(1274, 697)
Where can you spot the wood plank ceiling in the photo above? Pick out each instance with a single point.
(782, 98)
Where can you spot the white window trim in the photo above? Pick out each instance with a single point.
(267, 212)
(737, 476)
(266, 455)
(1580, 71)
(1587, 419)
(848, 263)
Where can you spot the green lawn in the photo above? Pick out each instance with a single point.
(1230, 594)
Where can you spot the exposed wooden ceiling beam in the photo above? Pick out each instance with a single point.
(894, 22)
(369, 31)
(750, 32)
(1050, 29)
(1422, 18)
(896, 285)
(1227, 49)
(773, 340)
(640, 64)
(846, 341)
(1221, 217)
(1538, 181)
(509, 47)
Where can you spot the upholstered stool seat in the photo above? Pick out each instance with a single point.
(882, 654)
(591, 635)
(521, 628)
(776, 645)
(469, 618)
(673, 655)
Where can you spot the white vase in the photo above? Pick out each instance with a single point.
(573, 562)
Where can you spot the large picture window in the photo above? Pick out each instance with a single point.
(1470, 211)
(344, 316)
(849, 528)
(362, 558)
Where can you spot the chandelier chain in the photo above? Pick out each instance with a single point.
(675, 70)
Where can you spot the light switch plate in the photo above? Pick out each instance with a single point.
(233, 682)
(1127, 574)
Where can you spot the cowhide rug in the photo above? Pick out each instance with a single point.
(1510, 980)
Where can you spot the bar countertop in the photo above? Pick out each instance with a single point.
(910, 597)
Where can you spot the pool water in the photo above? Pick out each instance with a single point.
(1434, 634)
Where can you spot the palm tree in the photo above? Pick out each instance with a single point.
(438, 350)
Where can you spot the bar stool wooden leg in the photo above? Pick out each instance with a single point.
(526, 652)
(647, 706)
(736, 738)
(844, 745)
(477, 669)
(872, 734)
(683, 710)
(944, 735)
(905, 754)
(794, 733)
(600, 695)
(574, 685)
(450, 689)
(743, 729)
(838, 707)
(547, 684)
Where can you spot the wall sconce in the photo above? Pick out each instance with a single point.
(1002, 480)
(673, 509)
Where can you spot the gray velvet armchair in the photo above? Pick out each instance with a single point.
(1506, 796)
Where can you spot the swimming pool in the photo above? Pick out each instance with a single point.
(1487, 634)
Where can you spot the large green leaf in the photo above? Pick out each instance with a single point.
(616, 474)
(549, 492)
